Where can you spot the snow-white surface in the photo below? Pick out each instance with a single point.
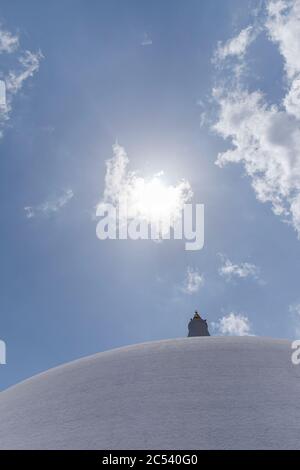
(191, 393)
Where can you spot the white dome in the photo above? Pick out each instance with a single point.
(191, 393)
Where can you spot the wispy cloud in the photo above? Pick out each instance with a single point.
(265, 137)
(146, 41)
(24, 65)
(49, 207)
(236, 46)
(230, 270)
(234, 324)
(8, 41)
(29, 63)
(193, 282)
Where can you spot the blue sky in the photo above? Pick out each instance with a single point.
(175, 84)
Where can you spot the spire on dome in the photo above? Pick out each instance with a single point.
(198, 326)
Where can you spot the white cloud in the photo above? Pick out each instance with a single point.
(29, 64)
(194, 280)
(265, 137)
(146, 199)
(236, 46)
(295, 312)
(292, 99)
(233, 324)
(8, 42)
(30, 212)
(25, 65)
(147, 41)
(49, 207)
(229, 270)
(283, 25)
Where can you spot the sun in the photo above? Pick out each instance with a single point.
(143, 199)
(154, 201)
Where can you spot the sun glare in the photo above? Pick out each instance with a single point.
(148, 199)
(155, 201)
